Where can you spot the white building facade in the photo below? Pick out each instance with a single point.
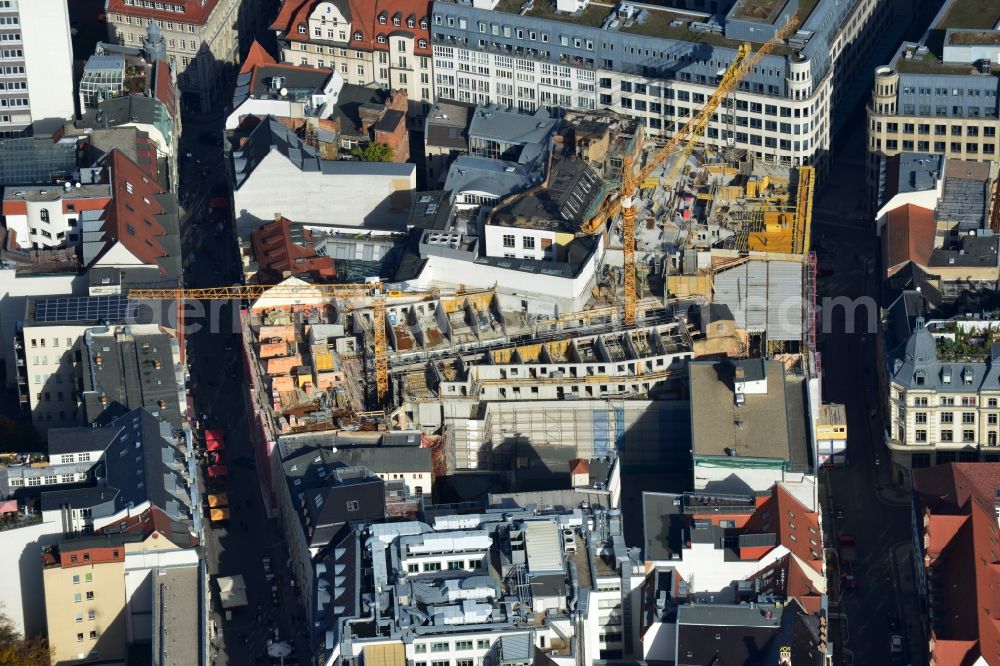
(36, 72)
(782, 110)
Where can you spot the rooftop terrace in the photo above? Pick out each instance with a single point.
(656, 22)
(975, 14)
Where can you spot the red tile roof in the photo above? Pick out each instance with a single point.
(256, 57)
(131, 218)
(277, 253)
(364, 16)
(908, 236)
(961, 536)
(796, 527)
(787, 578)
(163, 86)
(195, 11)
(579, 466)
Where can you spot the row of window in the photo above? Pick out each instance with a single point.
(446, 646)
(924, 129)
(453, 565)
(949, 417)
(162, 6)
(968, 436)
(892, 145)
(47, 480)
(949, 400)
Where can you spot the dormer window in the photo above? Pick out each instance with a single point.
(381, 39)
(422, 43)
(423, 24)
(410, 22)
(302, 28)
(382, 19)
(946, 376)
(357, 36)
(395, 21)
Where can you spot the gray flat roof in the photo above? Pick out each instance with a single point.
(663, 524)
(757, 429)
(176, 616)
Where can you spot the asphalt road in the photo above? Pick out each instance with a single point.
(859, 499)
(219, 394)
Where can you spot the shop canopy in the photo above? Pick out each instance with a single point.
(232, 591)
(217, 471)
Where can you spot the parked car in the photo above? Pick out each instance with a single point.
(893, 621)
(848, 581)
(896, 644)
(848, 549)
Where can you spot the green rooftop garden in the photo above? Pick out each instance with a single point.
(977, 14)
(964, 345)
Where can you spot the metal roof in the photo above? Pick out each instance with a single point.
(544, 549)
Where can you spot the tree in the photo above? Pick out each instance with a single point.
(16, 650)
(373, 152)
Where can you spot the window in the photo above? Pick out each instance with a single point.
(432, 566)
(463, 645)
(79, 638)
(90, 596)
(76, 580)
(88, 578)
(508, 240)
(76, 598)
(79, 617)
(93, 635)
(439, 647)
(412, 567)
(91, 615)
(483, 644)
(920, 435)
(968, 417)
(528, 242)
(947, 436)
(920, 417)
(44, 214)
(419, 648)
(455, 565)
(968, 436)
(947, 417)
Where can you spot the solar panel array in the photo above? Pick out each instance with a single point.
(84, 308)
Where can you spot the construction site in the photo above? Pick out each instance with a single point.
(707, 255)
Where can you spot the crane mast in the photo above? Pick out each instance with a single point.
(686, 137)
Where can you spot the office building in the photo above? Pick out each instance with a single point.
(659, 66)
(939, 95)
(37, 66)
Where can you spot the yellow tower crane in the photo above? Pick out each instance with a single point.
(686, 137)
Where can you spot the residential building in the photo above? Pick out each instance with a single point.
(727, 548)
(283, 248)
(82, 355)
(275, 172)
(659, 66)
(942, 245)
(446, 136)
(954, 524)
(84, 600)
(944, 388)
(516, 213)
(737, 448)
(331, 116)
(38, 67)
(109, 595)
(135, 87)
(48, 216)
(202, 41)
(92, 483)
(939, 95)
(381, 42)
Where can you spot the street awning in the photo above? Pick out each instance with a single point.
(217, 471)
(232, 591)
(214, 445)
(8, 506)
(218, 515)
(213, 435)
(218, 500)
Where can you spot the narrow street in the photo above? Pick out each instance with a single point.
(239, 547)
(859, 499)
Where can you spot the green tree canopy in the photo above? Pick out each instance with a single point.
(16, 650)
(373, 152)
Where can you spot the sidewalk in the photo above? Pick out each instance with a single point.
(910, 615)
